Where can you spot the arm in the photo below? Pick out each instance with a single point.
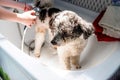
(26, 18)
(14, 4)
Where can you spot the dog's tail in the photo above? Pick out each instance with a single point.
(43, 3)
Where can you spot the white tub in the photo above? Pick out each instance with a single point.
(99, 60)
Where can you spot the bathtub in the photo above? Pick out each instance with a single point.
(99, 60)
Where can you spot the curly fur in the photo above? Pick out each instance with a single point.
(70, 34)
(67, 30)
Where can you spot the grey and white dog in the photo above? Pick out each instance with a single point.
(67, 30)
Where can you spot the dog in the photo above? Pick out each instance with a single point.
(42, 26)
(67, 30)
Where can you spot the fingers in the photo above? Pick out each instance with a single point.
(28, 18)
(32, 14)
(32, 23)
(32, 11)
(33, 17)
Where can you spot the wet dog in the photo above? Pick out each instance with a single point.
(67, 30)
(42, 27)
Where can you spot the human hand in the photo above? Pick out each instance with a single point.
(27, 18)
(27, 7)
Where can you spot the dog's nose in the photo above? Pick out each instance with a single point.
(53, 42)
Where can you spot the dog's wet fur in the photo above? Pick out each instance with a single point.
(67, 30)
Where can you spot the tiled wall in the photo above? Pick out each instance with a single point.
(94, 5)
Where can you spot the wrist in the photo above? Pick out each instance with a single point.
(25, 7)
(19, 18)
(20, 5)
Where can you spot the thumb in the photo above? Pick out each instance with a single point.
(32, 12)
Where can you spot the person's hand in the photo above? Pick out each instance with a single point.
(27, 18)
(27, 7)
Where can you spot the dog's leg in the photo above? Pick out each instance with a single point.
(39, 40)
(67, 63)
(64, 60)
(75, 62)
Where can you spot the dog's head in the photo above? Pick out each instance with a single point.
(67, 26)
(44, 13)
(45, 9)
(43, 3)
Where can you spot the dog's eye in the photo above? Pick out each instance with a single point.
(64, 35)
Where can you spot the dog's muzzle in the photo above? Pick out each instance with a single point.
(54, 42)
(55, 45)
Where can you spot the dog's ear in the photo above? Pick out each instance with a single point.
(77, 31)
(87, 30)
(43, 3)
(42, 14)
(52, 20)
(52, 11)
(37, 3)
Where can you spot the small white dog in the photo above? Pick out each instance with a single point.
(67, 30)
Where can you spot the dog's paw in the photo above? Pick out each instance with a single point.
(74, 67)
(78, 66)
(37, 55)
